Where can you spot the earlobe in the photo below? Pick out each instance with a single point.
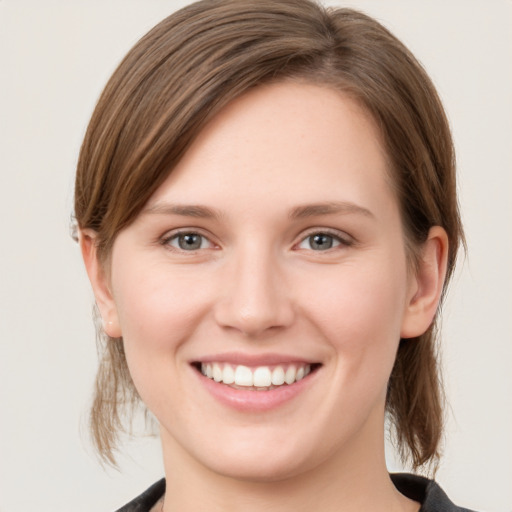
(426, 284)
(100, 283)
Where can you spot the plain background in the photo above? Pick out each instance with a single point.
(55, 57)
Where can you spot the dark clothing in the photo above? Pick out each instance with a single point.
(426, 492)
(147, 499)
(417, 488)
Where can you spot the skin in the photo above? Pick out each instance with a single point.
(257, 285)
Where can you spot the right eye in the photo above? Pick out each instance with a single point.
(188, 241)
(320, 242)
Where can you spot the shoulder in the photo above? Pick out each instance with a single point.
(145, 501)
(425, 491)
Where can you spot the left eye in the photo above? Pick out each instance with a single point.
(188, 241)
(320, 242)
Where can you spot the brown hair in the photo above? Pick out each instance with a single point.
(179, 75)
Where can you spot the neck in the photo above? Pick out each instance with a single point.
(356, 479)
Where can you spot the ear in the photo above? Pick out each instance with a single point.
(100, 283)
(426, 284)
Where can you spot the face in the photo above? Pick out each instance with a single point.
(272, 260)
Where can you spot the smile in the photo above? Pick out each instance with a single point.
(251, 384)
(261, 378)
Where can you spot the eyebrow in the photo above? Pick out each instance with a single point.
(329, 208)
(299, 212)
(189, 210)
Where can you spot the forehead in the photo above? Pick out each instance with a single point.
(296, 142)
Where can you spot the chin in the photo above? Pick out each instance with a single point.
(260, 460)
(260, 469)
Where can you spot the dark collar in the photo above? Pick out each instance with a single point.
(425, 491)
(417, 488)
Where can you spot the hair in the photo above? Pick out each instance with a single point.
(183, 72)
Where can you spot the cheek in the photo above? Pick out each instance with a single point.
(158, 312)
(361, 316)
(155, 306)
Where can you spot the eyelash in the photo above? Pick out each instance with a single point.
(337, 240)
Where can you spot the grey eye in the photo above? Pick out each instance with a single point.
(188, 241)
(319, 242)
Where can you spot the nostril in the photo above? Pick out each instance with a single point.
(254, 306)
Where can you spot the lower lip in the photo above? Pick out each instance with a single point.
(252, 400)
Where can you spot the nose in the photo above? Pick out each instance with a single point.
(255, 298)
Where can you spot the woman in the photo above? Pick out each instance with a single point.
(267, 213)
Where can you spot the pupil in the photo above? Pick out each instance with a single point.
(321, 241)
(190, 241)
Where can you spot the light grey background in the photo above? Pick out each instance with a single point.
(55, 57)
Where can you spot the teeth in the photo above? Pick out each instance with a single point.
(243, 376)
(228, 375)
(217, 372)
(289, 376)
(278, 376)
(260, 377)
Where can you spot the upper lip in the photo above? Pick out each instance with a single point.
(238, 358)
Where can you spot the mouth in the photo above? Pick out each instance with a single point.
(257, 378)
